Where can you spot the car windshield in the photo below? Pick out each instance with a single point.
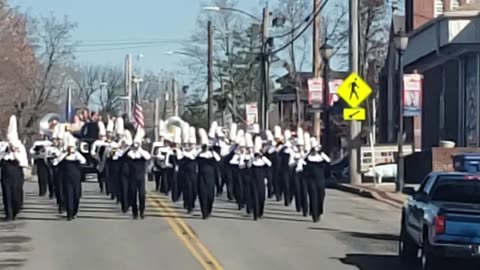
(457, 190)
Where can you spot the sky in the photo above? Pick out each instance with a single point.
(163, 21)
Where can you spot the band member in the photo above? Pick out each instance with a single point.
(174, 175)
(120, 161)
(137, 161)
(159, 150)
(71, 174)
(13, 158)
(230, 166)
(39, 153)
(54, 152)
(275, 158)
(98, 152)
(237, 169)
(258, 165)
(207, 163)
(112, 173)
(314, 166)
(296, 155)
(270, 153)
(246, 177)
(188, 166)
(285, 171)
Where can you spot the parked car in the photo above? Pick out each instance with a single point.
(442, 220)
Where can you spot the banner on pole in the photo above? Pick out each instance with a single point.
(412, 94)
(251, 113)
(333, 86)
(315, 91)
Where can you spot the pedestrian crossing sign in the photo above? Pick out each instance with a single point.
(354, 90)
(350, 114)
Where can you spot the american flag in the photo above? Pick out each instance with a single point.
(138, 111)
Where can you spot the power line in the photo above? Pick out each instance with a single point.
(117, 49)
(104, 44)
(302, 31)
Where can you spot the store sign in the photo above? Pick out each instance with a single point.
(251, 113)
(412, 94)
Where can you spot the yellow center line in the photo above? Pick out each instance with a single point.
(184, 232)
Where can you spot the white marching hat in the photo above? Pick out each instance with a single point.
(256, 129)
(12, 132)
(110, 125)
(192, 138)
(300, 138)
(101, 129)
(248, 140)
(213, 129)
(203, 136)
(240, 136)
(277, 132)
(56, 132)
(127, 138)
(185, 132)
(306, 139)
(270, 137)
(70, 140)
(258, 144)
(287, 135)
(139, 136)
(220, 133)
(61, 131)
(233, 132)
(119, 126)
(314, 142)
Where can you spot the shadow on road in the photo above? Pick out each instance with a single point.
(374, 262)
(370, 236)
(13, 245)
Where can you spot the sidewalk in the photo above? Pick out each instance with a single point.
(381, 192)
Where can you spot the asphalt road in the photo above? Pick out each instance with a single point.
(355, 233)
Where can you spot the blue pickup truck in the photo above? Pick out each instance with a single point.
(441, 220)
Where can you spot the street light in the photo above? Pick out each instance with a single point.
(217, 9)
(326, 52)
(401, 41)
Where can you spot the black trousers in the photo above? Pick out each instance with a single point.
(229, 171)
(58, 188)
(112, 178)
(43, 177)
(72, 190)
(238, 187)
(136, 195)
(190, 189)
(157, 175)
(286, 175)
(316, 194)
(206, 193)
(12, 196)
(175, 180)
(165, 185)
(124, 191)
(102, 178)
(247, 193)
(257, 190)
(277, 175)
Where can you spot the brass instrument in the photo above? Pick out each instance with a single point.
(45, 124)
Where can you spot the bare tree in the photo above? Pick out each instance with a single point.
(87, 83)
(46, 79)
(111, 86)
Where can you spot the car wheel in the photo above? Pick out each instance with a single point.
(407, 249)
(428, 261)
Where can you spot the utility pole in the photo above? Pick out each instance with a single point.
(355, 126)
(262, 102)
(222, 87)
(174, 98)
(128, 84)
(316, 61)
(210, 73)
(156, 117)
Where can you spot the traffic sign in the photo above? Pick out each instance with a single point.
(354, 90)
(350, 114)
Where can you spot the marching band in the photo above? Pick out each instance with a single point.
(249, 165)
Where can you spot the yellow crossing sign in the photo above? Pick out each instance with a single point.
(350, 114)
(354, 90)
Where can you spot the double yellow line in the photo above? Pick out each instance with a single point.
(186, 235)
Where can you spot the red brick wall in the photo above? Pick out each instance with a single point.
(442, 157)
(423, 11)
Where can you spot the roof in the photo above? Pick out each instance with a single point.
(333, 74)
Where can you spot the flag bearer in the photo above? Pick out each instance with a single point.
(137, 161)
(207, 164)
(258, 165)
(13, 159)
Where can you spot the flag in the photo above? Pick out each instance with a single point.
(69, 110)
(138, 111)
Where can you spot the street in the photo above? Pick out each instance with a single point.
(355, 233)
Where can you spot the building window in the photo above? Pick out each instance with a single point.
(438, 8)
(454, 4)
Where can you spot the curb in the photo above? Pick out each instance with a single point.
(369, 193)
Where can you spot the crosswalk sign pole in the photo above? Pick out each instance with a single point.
(355, 126)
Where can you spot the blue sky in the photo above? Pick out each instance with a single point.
(168, 22)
